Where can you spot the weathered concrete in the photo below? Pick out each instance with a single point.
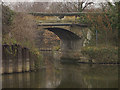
(71, 34)
(71, 49)
(62, 24)
(17, 59)
(7, 60)
(61, 17)
(32, 63)
(70, 43)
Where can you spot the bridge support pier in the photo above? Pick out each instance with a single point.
(71, 41)
(71, 49)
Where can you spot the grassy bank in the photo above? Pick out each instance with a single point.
(101, 54)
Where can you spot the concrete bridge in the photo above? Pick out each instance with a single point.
(65, 26)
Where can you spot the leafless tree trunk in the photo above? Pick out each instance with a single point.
(78, 6)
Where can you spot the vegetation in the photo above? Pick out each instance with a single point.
(104, 27)
(53, 7)
(46, 39)
(19, 29)
(101, 54)
(37, 58)
(7, 18)
(56, 48)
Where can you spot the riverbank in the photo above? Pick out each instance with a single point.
(17, 59)
(57, 75)
(101, 55)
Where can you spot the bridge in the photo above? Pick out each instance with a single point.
(70, 32)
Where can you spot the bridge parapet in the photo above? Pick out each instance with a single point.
(60, 17)
(71, 34)
(54, 19)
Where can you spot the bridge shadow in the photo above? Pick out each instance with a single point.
(64, 34)
(70, 43)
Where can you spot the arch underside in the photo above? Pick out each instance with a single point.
(64, 34)
(70, 43)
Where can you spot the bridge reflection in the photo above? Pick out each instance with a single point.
(56, 75)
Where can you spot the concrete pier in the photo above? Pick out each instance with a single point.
(71, 49)
(17, 59)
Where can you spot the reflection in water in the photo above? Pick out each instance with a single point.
(85, 76)
(56, 75)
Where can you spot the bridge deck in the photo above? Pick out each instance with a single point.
(62, 24)
(64, 14)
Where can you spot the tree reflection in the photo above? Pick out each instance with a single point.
(56, 75)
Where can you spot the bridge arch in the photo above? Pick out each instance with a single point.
(70, 43)
(71, 33)
(64, 34)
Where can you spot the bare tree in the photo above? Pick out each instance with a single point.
(20, 6)
(28, 6)
(23, 29)
(78, 6)
(39, 6)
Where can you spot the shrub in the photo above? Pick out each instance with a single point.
(56, 48)
(101, 54)
(7, 19)
(24, 29)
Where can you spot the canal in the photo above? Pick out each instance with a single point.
(55, 74)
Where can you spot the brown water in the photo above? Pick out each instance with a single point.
(57, 75)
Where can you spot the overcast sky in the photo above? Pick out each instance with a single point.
(97, 1)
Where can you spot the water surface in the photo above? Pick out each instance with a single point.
(57, 75)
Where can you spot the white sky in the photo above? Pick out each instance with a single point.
(97, 1)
